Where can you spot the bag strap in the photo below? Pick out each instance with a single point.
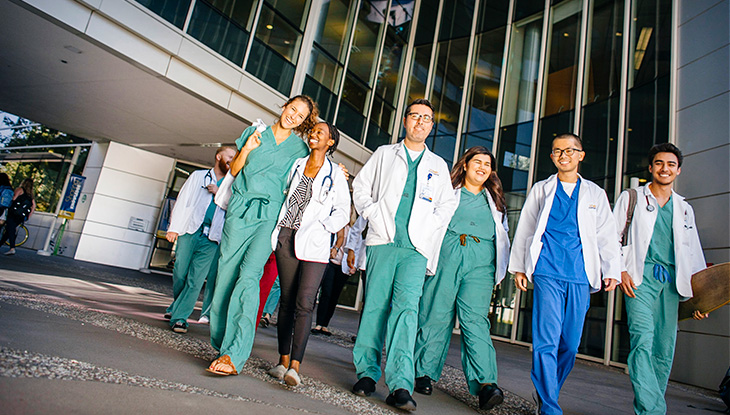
(629, 216)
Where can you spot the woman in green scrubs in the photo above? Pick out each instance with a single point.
(261, 168)
(472, 260)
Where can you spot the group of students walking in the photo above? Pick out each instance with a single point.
(436, 246)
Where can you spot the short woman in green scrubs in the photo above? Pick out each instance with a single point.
(261, 168)
(472, 260)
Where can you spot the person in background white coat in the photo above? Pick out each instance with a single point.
(196, 224)
(316, 207)
(404, 191)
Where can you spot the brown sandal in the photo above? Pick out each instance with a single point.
(225, 360)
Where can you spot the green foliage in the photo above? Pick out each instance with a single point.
(48, 176)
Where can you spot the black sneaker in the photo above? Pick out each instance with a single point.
(423, 385)
(167, 316)
(180, 328)
(490, 396)
(364, 387)
(401, 399)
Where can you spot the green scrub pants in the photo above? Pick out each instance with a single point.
(210, 285)
(245, 248)
(194, 257)
(394, 286)
(462, 287)
(652, 318)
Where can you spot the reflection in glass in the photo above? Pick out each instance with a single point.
(484, 94)
(333, 28)
(292, 10)
(325, 99)
(363, 54)
(513, 156)
(603, 68)
(522, 70)
(562, 65)
(524, 8)
(324, 69)
(651, 40)
(600, 141)
(278, 34)
(270, 67)
(350, 118)
(492, 14)
(423, 45)
(174, 11)
(223, 25)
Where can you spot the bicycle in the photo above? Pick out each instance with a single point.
(21, 236)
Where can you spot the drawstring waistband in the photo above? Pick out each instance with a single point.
(262, 202)
(661, 274)
(463, 237)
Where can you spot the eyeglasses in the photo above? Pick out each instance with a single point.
(427, 119)
(568, 152)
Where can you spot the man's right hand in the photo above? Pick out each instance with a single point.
(171, 237)
(521, 281)
(627, 285)
(351, 260)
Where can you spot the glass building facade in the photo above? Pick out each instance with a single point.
(505, 74)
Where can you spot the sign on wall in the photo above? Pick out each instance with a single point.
(71, 197)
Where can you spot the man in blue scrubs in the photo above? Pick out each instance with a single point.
(565, 244)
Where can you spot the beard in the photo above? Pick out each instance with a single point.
(223, 166)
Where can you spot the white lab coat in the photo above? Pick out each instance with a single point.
(377, 192)
(356, 242)
(501, 235)
(328, 211)
(192, 203)
(596, 227)
(688, 255)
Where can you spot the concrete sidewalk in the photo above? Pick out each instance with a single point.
(86, 338)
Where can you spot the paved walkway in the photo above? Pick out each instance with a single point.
(86, 338)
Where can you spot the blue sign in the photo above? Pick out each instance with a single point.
(71, 198)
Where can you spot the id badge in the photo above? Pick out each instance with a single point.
(426, 193)
(206, 230)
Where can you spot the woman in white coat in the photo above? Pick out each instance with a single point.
(473, 259)
(316, 207)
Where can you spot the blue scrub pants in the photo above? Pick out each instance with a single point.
(245, 248)
(462, 287)
(394, 286)
(558, 312)
(652, 318)
(194, 258)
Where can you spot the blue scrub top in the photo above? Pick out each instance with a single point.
(561, 256)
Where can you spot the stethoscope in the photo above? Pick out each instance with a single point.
(649, 206)
(327, 179)
(208, 175)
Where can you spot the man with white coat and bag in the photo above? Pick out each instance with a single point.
(661, 252)
(196, 224)
(405, 193)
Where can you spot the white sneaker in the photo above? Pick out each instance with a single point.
(292, 377)
(204, 320)
(277, 371)
(11, 252)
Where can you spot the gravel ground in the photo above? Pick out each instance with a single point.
(29, 365)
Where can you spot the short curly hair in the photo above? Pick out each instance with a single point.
(665, 148)
(306, 126)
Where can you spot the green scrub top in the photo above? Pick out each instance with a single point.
(208, 219)
(473, 216)
(403, 214)
(267, 167)
(661, 247)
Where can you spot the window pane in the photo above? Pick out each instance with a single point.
(351, 118)
(524, 8)
(562, 66)
(278, 34)
(423, 45)
(522, 70)
(651, 40)
(456, 18)
(600, 138)
(492, 14)
(270, 67)
(604, 62)
(513, 157)
(174, 11)
(293, 10)
(391, 63)
(325, 70)
(333, 27)
(223, 25)
(486, 76)
(381, 123)
(550, 127)
(363, 53)
(324, 98)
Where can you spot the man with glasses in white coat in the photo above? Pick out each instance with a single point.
(404, 192)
